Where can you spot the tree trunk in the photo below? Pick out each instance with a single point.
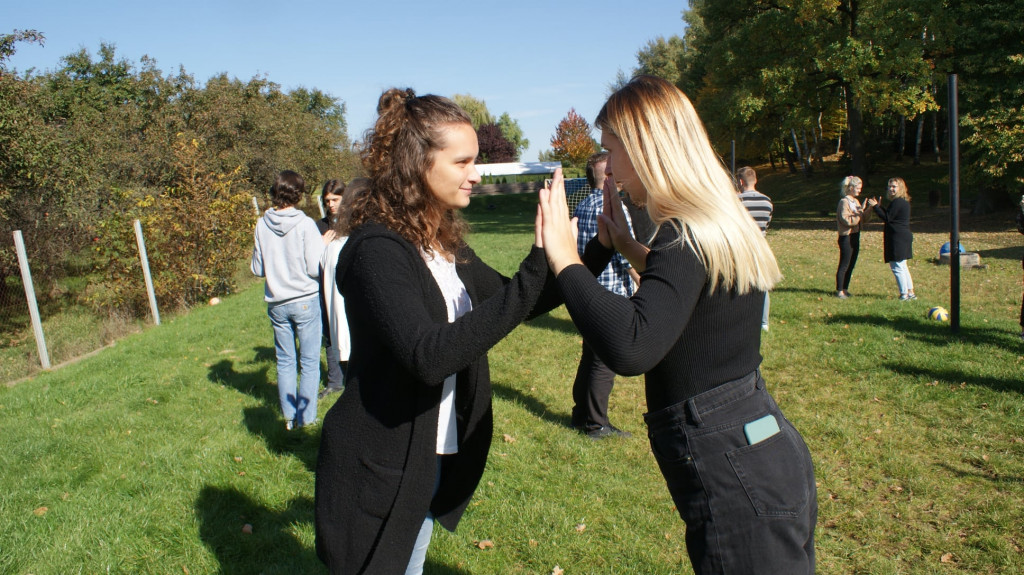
(808, 155)
(855, 146)
(901, 140)
(917, 140)
(800, 157)
(788, 155)
(935, 136)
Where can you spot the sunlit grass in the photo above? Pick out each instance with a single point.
(152, 456)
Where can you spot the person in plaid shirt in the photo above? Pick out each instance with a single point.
(594, 380)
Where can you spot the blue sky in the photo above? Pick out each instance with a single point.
(533, 59)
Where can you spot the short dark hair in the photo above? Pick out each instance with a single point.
(288, 189)
(746, 174)
(592, 161)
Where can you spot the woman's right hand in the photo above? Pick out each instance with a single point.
(557, 230)
(612, 226)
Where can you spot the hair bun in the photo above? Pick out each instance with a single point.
(394, 98)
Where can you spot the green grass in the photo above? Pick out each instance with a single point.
(151, 456)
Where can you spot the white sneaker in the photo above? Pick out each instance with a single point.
(288, 424)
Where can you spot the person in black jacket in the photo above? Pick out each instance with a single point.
(738, 471)
(897, 239)
(407, 441)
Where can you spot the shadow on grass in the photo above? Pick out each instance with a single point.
(982, 474)
(263, 353)
(264, 420)
(434, 568)
(532, 404)
(558, 324)
(953, 377)
(812, 291)
(933, 332)
(270, 548)
(1010, 253)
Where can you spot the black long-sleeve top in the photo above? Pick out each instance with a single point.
(685, 339)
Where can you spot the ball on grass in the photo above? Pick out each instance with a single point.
(938, 313)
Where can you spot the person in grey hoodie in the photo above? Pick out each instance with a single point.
(287, 253)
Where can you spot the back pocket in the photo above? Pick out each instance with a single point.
(774, 475)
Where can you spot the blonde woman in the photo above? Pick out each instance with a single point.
(897, 239)
(850, 215)
(738, 471)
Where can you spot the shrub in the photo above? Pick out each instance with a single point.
(197, 232)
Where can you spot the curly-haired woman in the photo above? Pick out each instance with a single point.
(407, 442)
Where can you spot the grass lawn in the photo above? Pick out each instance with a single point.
(153, 455)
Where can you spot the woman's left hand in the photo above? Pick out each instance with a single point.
(558, 230)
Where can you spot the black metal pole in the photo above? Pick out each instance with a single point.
(954, 208)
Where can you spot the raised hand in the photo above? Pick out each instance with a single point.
(558, 231)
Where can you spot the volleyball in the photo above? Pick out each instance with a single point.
(938, 313)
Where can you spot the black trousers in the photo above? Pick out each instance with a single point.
(849, 247)
(750, 504)
(591, 390)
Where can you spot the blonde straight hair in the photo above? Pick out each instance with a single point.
(687, 185)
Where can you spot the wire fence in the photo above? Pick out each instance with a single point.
(47, 321)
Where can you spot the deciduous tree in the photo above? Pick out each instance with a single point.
(572, 143)
(494, 147)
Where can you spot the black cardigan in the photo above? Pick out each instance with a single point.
(897, 239)
(377, 465)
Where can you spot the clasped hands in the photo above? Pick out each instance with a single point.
(556, 231)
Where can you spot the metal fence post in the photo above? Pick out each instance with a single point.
(145, 272)
(30, 295)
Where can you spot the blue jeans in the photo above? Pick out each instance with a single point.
(748, 508)
(904, 282)
(297, 320)
(767, 306)
(419, 550)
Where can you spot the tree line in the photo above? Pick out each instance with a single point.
(800, 80)
(99, 141)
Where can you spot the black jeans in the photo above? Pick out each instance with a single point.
(849, 247)
(591, 390)
(747, 508)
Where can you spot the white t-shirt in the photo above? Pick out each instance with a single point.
(456, 299)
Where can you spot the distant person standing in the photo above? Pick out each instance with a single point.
(594, 380)
(897, 239)
(760, 208)
(850, 214)
(331, 195)
(287, 252)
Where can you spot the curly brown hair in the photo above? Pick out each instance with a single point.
(399, 150)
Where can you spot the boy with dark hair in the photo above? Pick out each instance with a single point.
(287, 252)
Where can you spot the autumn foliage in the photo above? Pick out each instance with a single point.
(572, 143)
